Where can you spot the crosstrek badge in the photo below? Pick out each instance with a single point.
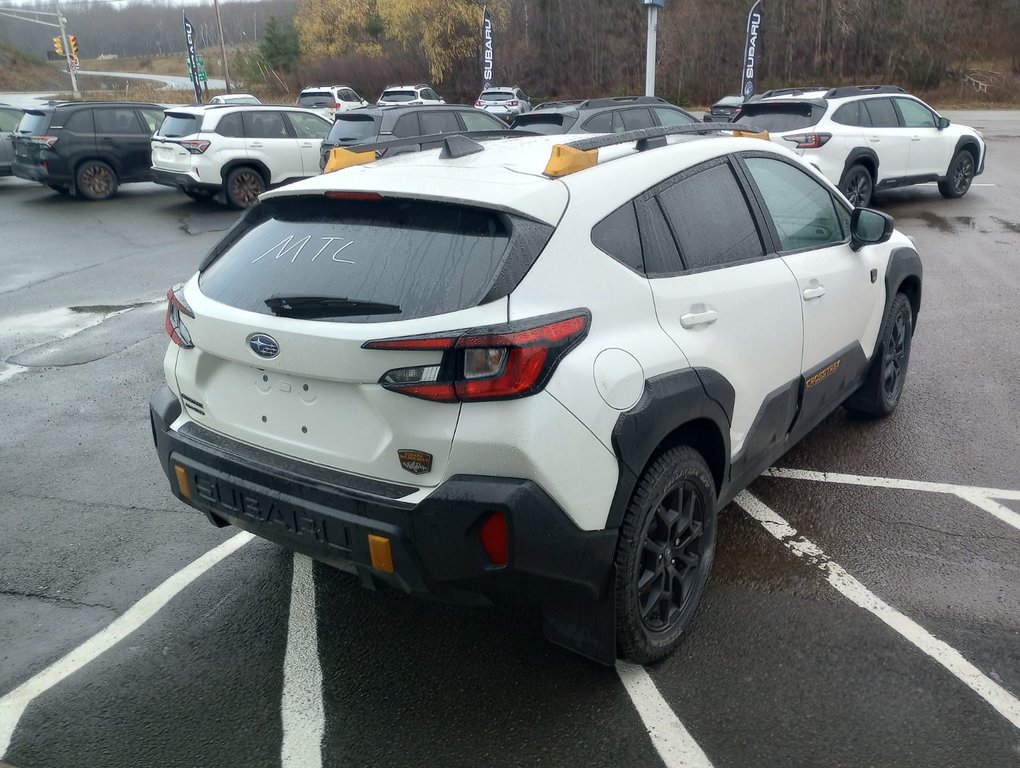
(415, 462)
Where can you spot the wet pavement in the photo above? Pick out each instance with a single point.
(781, 667)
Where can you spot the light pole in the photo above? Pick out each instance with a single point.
(653, 23)
(20, 15)
(223, 48)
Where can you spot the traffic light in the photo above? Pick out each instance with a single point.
(58, 45)
(72, 41)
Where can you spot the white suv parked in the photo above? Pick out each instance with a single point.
(242, 150)
(410, 95)
(330, 100)
(867, 138)
(530, 368)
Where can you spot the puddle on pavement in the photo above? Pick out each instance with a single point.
(1009, 226)
(209, 221)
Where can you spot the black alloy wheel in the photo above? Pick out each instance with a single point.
(883, 387)
(857, 186)
(243, 187)
(96, 180)
(960, 176)
(894, 357)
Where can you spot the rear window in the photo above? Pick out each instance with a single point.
(177, 124)
(497, 96)
(786, 116)
(316, 99)
(425, 258)
(549, 124)
(34, 123)
(399, 96)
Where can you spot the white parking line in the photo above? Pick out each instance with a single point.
(671, 739)
(13, 705)
(994, 694)
(301, 707)
(976, 495)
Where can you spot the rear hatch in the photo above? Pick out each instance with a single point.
(169, 150)
(545, 122)
(32, 135)
(284, 306)
(781, 117)
(497, 99)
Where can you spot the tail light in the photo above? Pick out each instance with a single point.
(809, 140)
(493, 534)
(515, 102)
(336, 105)
(44, 141)
(195, 146)
(478, 102)
(176, 306)
(497, 363)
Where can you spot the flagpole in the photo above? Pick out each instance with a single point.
(223, 48)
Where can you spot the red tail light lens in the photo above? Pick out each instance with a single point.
(336, 105)
(515, 103)
(478, 102)
(175, 307)
(498, 363)
(809, 140)
(44, 141)
(494, 538)
(195, 146)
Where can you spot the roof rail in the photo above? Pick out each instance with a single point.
(796, 91)
(643, 134)
(613, 101)
(558, 104)
(859, 90)
(455, 148)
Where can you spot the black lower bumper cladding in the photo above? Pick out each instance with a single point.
(436, 546)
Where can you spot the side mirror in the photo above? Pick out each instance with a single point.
(944, 123)
(869, 227)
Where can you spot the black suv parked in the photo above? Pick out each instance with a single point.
(86, 148)
(365, 126)
(611, 115)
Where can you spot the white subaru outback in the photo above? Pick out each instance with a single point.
(530, 368)
(870, 137)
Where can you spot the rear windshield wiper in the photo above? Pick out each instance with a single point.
(327, 306)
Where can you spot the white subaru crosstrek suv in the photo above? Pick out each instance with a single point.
(409, 95)
(243, 150)
(330, 100)
(530, 368)
(869, 138)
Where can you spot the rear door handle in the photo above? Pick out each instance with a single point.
(815, 292)
(255, 144)
(915, 138)
(874, 139)
(694, 319)
(307, 144)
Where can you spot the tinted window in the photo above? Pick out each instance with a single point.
(116, 121)
(852, 114)
(177, 124)
(669, 116)
(406, 126)
(80, 122)
(9, 119)
(602, 123)
(548, 123)
(632, 119)
(497, 96)
(152, 118)
(397, 97)
(802, 210)
(353, 128)
(265, 125)
(915, 114)
(476, 120)
(426, 258)
(34, 123)
(308, 126)
(882, 113)
(231, 125)
(316, 99)
(348, 95)
(711, 219)
(786, 116)
(617, 235)
(438, 122)
(428, 93)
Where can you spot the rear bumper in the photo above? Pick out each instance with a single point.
(436, 545)
(179, 180)
(37, 172)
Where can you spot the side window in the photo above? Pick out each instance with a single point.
(851, 114)
(152, 118)
(708, 238)
(428, 93)
(602, 123)
(438, 122)
(915, 114)
(231, 125)
(407, 126)
(348, 95)
(636, 118)
(80, 122)
(882, 112)
(802, 210)
(9, 120)
(476, 120)
(308, 126)
(618, 235)
(265, 125)
(116, 121)
(669, 116)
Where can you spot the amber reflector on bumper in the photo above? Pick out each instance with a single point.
(382, 555)
(182, 481)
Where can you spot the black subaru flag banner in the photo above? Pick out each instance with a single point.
(189, 34)
(752, 50)
(488, 58)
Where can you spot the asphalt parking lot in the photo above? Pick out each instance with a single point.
(864, 608)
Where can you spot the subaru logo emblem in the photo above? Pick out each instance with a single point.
(263, 345)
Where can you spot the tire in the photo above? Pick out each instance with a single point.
(675, 500)
(199, 194)
(95, 180)
(243, 186)
(857, 185)
(959, 176)
(881, 391)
